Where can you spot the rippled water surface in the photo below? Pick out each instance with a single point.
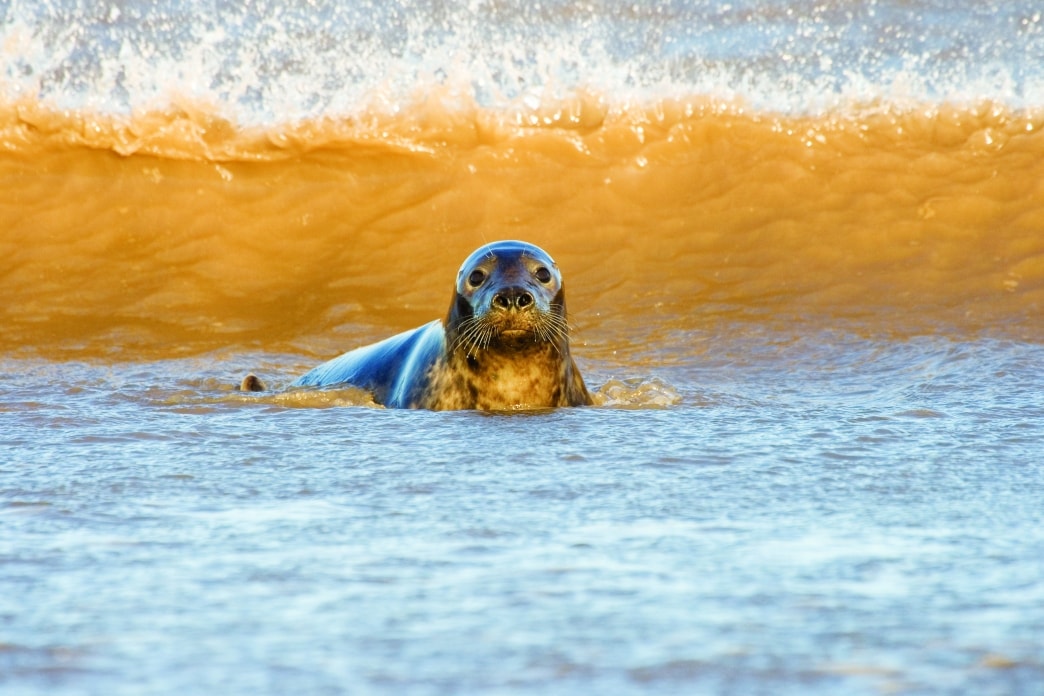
(803, 247)
(816, 518)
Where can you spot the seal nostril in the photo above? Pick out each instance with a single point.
(512, 298)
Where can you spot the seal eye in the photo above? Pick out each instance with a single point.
(543, 275)
(476, 278)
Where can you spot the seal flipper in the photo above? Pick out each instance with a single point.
(252, 383)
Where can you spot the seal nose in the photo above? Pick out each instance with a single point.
(512, 297)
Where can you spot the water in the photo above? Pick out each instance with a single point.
(802, 247)
(278, 59)
(786, 531)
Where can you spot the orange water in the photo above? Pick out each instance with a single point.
(829, 328)
(179, 232)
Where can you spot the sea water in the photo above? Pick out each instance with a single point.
(803, 250)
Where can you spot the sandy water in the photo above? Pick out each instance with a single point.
(803, 245)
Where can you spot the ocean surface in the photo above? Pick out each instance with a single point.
(803, 248)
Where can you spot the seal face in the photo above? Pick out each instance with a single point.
(504, 343)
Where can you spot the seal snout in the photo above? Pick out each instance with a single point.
(513, 298)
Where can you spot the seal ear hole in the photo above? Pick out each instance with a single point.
(543, 275)
(476, 278)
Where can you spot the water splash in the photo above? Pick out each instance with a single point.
(638, 392)
(286, 60)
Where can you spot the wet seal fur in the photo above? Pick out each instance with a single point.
(503, 345)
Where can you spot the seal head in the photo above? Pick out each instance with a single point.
(504, 343)
(508, 297)
(507, 334)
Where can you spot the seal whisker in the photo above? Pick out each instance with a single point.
(548, 333)
(468, 339)
(474, 335)
(557, 325)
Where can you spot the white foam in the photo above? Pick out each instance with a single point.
(284, 60)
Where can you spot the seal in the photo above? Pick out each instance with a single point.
(503, 345)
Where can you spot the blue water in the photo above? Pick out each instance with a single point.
(830, 515)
